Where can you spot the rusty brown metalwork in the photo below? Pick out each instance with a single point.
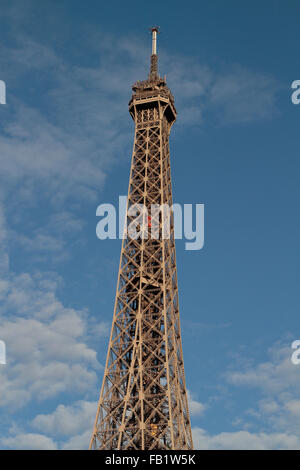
(143, 400)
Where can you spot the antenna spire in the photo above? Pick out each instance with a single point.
(154, 59)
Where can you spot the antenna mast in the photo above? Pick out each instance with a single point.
(154, 59)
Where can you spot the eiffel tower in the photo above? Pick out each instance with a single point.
(143, 400)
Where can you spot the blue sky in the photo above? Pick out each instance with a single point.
(65, 145)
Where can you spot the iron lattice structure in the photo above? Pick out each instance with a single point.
(143, 400)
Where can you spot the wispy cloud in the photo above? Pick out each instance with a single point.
(277, 410)
(196, 408)
(67, 427)
(70, 421)
(64, 129)
(271, 377)
(47, 350)
(241, 95)
(244, 440)
(28, 441)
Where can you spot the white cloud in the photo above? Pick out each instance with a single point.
(65, 154)
(29, 441)
(241, 95)
(195, 407)
(68, 427)
(271, 377)
(48, 159)
(278, 382)
(244, 440)
(39, 370)
(78, 442)
(42, 242)
(63, 142)
(232, 94)
(269, 406)
(47, 343)
(47, 350)
(293, 406)
(68, 420)
(66, 151)
(275, 416)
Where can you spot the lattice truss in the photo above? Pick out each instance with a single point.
(143, 400)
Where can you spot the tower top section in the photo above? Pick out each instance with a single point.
(154, 88)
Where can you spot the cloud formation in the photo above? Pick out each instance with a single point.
(65, 128)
